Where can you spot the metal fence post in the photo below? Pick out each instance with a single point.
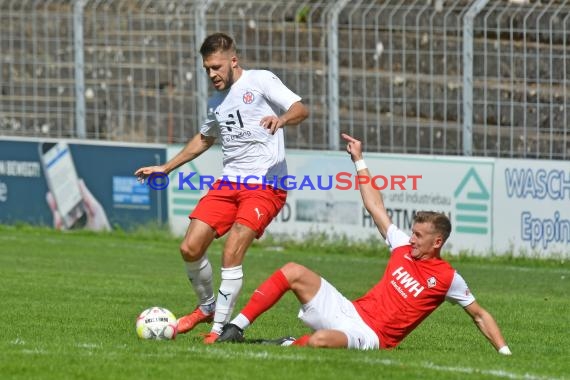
(78, 6)
(475, 8)
(201, 80)
(333, 74)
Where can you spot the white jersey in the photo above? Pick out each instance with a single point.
(458, 292)
(250, 152)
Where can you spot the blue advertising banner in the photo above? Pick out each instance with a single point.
(70, 184)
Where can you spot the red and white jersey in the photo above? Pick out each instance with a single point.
(234, 116)
(409, 291)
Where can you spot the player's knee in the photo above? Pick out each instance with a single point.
(293, 271)
(189, 252)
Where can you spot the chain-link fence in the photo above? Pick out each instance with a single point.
(488, 78)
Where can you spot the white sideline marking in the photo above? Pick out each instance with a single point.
(35, 351)
(214, 352)
(262, 355)
(88, 345)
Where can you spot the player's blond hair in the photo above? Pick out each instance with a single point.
(440, 222)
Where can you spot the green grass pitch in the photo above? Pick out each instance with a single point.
(69, 303)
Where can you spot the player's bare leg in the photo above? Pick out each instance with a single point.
(239, 239)
(303, 282)
(328, 339)
(193, 248)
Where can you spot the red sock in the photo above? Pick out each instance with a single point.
(266, 295)
(301, 341)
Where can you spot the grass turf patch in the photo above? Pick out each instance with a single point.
(70, 301)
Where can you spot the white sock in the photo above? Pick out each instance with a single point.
(200, 276)
(241, 321)
(230, 288)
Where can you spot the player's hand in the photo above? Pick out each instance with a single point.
(272, 123)
(144, 172)
(353, 147)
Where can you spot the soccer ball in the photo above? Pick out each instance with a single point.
(156, 323)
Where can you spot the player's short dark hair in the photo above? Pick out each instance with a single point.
(217, 42)
(439, 221)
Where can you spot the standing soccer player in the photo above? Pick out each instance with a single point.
(416, 281)
(247, 113)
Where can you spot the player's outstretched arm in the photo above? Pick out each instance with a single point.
(488, 327)
(372, 198)
(195, 147)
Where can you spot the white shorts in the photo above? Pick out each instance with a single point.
(330, 310)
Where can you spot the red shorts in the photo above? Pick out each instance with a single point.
(228, 203)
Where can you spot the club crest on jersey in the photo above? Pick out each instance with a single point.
(431, 282)
(248, 97)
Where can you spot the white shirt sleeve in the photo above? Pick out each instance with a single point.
(210, 125)
(459, 292)
(395, 237)
(275, 91)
